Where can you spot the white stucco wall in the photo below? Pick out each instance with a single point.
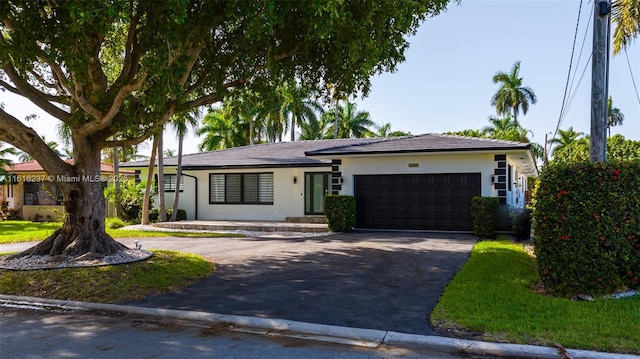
(288, 197)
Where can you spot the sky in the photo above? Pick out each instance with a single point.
(445, 83)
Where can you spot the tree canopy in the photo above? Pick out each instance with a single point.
(120, 67)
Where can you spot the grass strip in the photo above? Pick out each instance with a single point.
(27, 231)
(493, 294)
(165, 271)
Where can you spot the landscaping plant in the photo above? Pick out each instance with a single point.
(484, 211)
(587, 227)
(341, 212)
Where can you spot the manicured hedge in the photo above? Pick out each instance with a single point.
(484, 211)
(587, 227)
(341, 212)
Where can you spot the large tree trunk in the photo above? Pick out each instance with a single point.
(83, 234)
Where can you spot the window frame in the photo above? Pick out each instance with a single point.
(242, 188)
(170, 179)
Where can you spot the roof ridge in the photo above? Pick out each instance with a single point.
(485, 139)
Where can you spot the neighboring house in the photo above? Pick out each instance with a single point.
(35, 195)
(415, 182)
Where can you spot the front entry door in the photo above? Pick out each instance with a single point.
(316, 186)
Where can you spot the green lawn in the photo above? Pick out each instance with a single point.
(26, 231)
(492, 294)
(165, 271)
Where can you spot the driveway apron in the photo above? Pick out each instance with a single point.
(376, 280)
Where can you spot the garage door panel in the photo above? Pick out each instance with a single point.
(416, 201)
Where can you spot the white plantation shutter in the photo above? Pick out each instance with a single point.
(266, 188)
(216, 188)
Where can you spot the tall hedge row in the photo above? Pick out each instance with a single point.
(587, 227)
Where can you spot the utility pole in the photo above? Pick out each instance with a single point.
(599, 70)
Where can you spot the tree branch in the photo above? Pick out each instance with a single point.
(26, 139)
(34, 95)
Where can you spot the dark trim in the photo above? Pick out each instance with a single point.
(434, 150)
(499, 171)
(335, 162)
(196, 202)
(241, 187)
(500, 157)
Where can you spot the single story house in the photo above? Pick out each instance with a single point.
(422, 182)
(31, 191)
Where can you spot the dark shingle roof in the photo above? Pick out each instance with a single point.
(269, 155)
(301, 153)
(429, 142)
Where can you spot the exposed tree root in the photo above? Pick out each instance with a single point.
(78, 245)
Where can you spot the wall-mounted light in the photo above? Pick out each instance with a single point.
(295, 179)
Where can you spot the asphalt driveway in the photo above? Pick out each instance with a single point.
(377, 280)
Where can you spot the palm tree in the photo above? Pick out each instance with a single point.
(614, 116)
(312, 129)
(512, 96)
(565, 138)
(181, 124)
(298, 106)
(385, 131)
(4, 157)
(625, 14)
(351, 122)
(223, 129)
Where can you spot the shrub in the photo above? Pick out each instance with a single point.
(131, 197)
(341, 212)
(154, 215)
(483, 212)
(521, 223)
(115, 223)
(587, 227)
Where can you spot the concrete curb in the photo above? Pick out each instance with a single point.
(320, 332)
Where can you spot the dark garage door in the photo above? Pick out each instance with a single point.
(416, 201)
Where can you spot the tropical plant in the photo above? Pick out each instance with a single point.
(625, 14)
(222, 128)
(181, 123)
(512, 96)
(468, 133)
(618, 149)
(5, 161)
(614, 115)
(123, 68)
(565, 138)
(299, 107)
(351, 122)
(385, 131)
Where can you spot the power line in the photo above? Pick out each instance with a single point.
(573, 48)
(631, 72)
(566, 86)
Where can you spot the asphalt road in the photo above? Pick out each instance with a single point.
(39, 334)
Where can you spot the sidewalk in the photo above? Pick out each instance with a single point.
(318, 332)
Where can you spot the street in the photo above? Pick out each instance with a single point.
(27, 333)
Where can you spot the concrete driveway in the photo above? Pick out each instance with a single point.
(376, 280)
